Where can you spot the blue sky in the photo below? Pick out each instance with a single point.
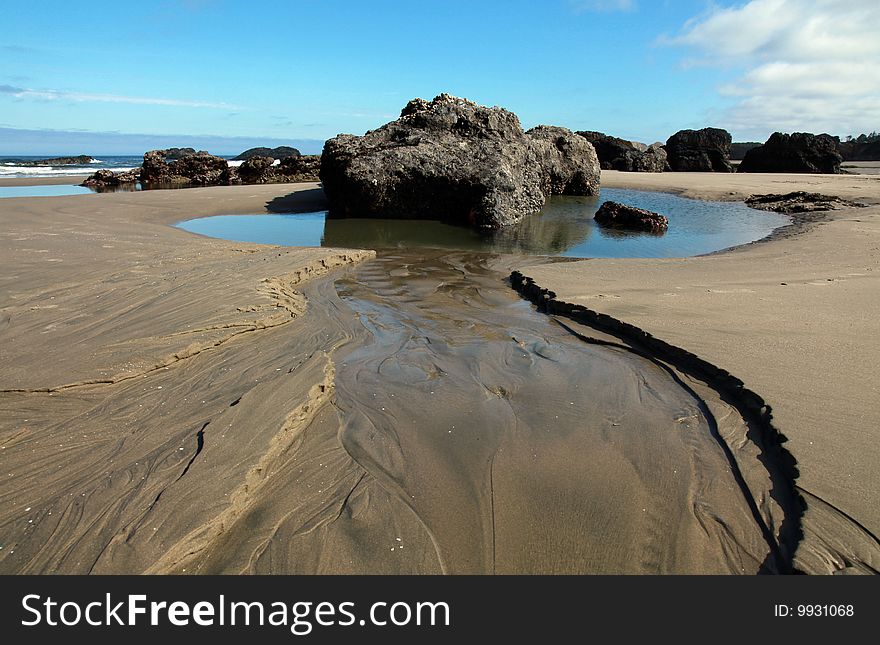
(237, 74)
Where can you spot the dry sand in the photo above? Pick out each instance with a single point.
(795, 318)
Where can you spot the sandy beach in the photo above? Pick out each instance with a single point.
(792, 318)
(122, 336)
(173, 403)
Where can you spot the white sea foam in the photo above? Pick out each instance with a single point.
(47, 171)
(235, 164)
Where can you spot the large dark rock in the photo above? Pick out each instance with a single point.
(108, 179)
(199, 168)
(276, 153)
(620, 154)
(621, 216)
(706, 150)
(453, 160)
(799, 152)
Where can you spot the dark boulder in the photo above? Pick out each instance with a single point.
(258, 170)
(706, 150)
(620, 154)
(800, 202)
(276, 153)
(109, 179)
(301, 168)
(453, 160)
(568, 161)
(200, 168)
(654, 159)
(621, 216)
(800, 152)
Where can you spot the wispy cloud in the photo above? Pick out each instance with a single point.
(86, 97)
(805, 64)
(17, 49)
(602, 6)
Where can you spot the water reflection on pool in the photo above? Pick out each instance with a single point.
(565, 227)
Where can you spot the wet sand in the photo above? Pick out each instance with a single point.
(793, 318)
(122, 337)
(178, 404)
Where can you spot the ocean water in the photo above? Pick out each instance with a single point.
(12, 167)
(565, 227)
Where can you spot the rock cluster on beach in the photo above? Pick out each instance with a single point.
(706, 150)
(621, 216)
(109, 179)
(264, 170)
(453, 160)
(276, 153)
(167, 168)
(799, 152)
(201, 168)
(628, 156)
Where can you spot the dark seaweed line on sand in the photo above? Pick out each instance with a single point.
(753, 408)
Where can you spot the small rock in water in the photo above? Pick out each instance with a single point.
(621, 216)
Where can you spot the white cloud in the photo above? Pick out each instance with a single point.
(808, 65)
(602, 6)
(84, 97)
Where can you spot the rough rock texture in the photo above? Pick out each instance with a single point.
(800, 202)
(301, 168)
(257, 170)
(172, 154)
(798, 152)
(109, 179)
(630, 156)
(200, 168)
(621, 216)
(453, 160)
(569, 162)
(60, 161)
(706, 150)
(260, 170)
(276, 153)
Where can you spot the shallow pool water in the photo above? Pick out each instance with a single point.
(565, 227)
(53, 190)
